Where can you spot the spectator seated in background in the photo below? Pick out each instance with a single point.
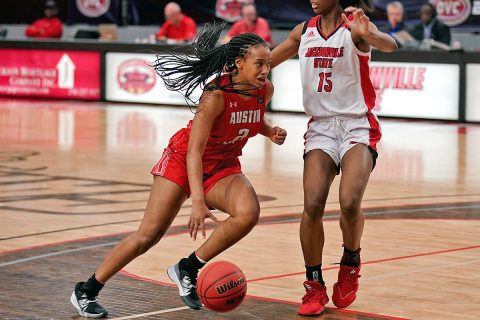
(396, 26)
(431, 27)
(178, 27)
(48, 27)
(250, 22)
(396, 18)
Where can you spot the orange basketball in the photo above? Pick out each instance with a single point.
(221, 286)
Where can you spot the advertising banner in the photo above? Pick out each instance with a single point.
(410, 90)
(130, 78)
(50, 73)
(93, 11)
(473, 93)
(416, 90)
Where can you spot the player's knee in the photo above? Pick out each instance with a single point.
(350, 207)
(314, 208)
(145, 241)
(248, 214)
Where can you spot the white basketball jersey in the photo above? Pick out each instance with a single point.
(335, 74)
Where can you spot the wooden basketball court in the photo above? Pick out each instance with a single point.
(74, 180)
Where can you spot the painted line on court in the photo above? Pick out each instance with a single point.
(51, 254)
(326, 218)
(360, 313)
(68, 229)
(151, 313)
(138, 277)
(77, 249)
(51, 244)
(417, 270)
(370, 262)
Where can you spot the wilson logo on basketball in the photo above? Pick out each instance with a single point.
(452, 12)
(229, 285)
(136, 77)
(93, 8)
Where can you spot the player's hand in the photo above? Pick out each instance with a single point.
(356, 20)
(278, 135)
(197, 219)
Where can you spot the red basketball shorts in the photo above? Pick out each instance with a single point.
(173, 165)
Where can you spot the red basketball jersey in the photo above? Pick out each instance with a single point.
(239, 120)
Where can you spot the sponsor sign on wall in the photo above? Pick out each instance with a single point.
(288, 87)
(131, 78)
(50, 73)
(416, 90)
(410, 90)
(452, 12)
(93, 8)
(94, 11)
(473, 93)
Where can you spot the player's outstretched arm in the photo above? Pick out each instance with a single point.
(211, 105)
(288, 48)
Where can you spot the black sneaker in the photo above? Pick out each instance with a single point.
(186, 284)
(86, 307)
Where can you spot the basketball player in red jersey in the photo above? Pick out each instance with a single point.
(201, 160)
(334, 52)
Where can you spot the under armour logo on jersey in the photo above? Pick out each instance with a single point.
(311, 34)
(233, 104)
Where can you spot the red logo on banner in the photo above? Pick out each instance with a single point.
(50, 73)
(230, 10)
(452, 12)
(136, 77)
(93, 8)
(401, 78)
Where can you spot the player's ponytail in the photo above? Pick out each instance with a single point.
(366, 5)
(185, 72)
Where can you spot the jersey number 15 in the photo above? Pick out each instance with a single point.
(325, 84)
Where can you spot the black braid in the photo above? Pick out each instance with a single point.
(185, 72)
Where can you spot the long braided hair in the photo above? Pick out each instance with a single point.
(185, 72)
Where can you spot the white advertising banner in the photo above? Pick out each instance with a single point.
(288, 87)
(130, 78)
(416, 90)
(473, 92)
(410, 90)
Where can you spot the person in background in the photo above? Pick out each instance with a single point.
(250, 22)
(395, 16)
(48, 27)
(430, 27)
(177, 27)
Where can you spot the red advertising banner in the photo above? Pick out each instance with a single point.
(50, 73)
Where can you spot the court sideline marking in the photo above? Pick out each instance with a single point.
(366, 214)
(151, 313)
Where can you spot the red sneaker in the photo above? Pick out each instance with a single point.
(314, 301)
(345, 289)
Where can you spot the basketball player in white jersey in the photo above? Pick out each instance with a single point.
(334, 52)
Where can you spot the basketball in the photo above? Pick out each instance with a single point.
(222, 286)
